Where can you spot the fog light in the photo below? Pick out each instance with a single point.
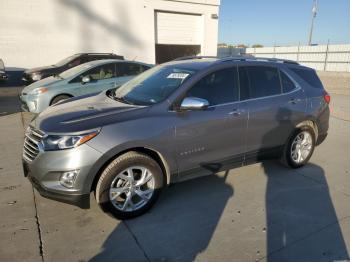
(67, 179)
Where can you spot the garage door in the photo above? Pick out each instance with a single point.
(177, 35)
(178, 29)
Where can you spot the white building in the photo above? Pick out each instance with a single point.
(41, 32)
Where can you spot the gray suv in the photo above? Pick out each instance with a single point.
(176, 121)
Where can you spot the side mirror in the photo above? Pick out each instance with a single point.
(194, 103)
(86, 79)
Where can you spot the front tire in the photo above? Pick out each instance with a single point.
(129, 186)
(59, 98)
(299, 148)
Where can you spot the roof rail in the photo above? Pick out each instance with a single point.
(263, 59)
(246, 57)
(192, 57)
(95, 53)
(99, 53)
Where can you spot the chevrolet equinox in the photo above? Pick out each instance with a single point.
(179, 120)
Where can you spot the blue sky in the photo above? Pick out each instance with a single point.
(281, 22)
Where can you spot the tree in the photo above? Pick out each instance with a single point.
(257, 46)
(222, 45)
(242, 46)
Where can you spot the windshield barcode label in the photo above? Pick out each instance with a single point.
(178, 75)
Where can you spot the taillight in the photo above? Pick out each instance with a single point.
(327, 97)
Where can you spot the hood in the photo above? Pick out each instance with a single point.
(85, 114)
(41, 83)
(40, 69)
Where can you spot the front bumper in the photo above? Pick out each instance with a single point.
(24, 105)
(82, 201)
(45, 170)
(33, 103)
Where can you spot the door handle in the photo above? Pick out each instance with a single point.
(294, 101)
(236, 112)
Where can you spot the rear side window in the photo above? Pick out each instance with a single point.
(259, 81)
(219, 87)
(89, 58)
(308, 76)
(96, 57)
(130, 69)
(287, 83)
(75, 62)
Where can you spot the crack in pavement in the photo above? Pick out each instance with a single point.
(137, 241)
(323, 184)
(305, 237)
(41, 246)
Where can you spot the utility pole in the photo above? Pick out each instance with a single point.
(314, 13)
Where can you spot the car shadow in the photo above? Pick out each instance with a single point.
(180, 226)
(301, 221)
(302, 224)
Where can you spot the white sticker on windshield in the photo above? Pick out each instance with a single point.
(178, 75)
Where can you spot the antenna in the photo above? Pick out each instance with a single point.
(314, 13)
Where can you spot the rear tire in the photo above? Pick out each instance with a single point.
(59, 98)
(299, 148)
(129, 186)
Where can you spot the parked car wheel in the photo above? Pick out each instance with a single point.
(59, 98)
(129, 185)
(299, 148)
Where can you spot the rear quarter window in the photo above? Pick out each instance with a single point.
(287, 83)
(259, 81)
(309, 76)
(129, 69)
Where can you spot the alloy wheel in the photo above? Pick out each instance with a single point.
(301, 147)
(132, 188)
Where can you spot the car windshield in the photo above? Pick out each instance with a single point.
(154, 85)
(74, 70)
(66, 60)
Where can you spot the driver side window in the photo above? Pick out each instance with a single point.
(217, 88)
(98, 73)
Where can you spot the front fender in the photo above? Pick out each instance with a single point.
(116, 151)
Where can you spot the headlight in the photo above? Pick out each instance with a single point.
(36, 76)
(58, 142)
(39, 90)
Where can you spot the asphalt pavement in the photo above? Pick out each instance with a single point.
(260, 212)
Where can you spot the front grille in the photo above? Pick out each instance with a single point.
(31, 143)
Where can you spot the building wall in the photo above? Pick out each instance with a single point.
(334, 58)
(41, 32)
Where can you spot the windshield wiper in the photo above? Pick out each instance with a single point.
(120, 99)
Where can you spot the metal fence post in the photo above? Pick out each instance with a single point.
(298, 52)
(326, 57)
